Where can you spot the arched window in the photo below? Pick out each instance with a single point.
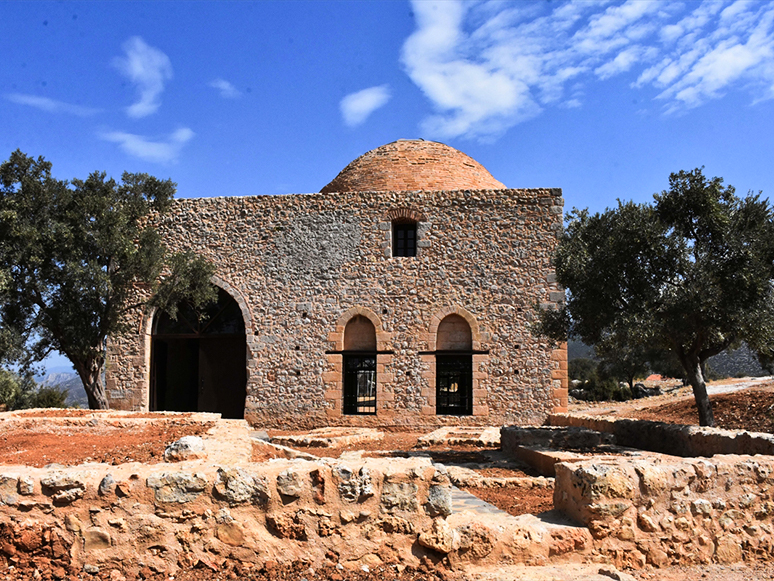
(359, 360)
(198, 360)
(454, 367)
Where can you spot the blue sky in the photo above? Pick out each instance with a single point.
(602, 99)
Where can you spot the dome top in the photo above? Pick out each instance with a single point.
(413, 164)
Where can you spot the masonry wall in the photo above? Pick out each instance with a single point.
(301, 266)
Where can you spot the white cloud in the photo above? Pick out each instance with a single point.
(50, 105)
(149, 69)
(356, 107)
(486, 66)
(227, 90)
(160, 150)
(623, 62)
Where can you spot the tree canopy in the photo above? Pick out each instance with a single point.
(72, 256)
(690, 274)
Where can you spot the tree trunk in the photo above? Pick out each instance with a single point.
(90, 373)
(696, 378)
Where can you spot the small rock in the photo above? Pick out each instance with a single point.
(614, 573)
(178, 487)
(289, 483)
(399, 496)
(106, 485)
(91, 569)
(95, 538)
(186, 448)
(63, 488)
(237, 486)
(230, 534)
(26, 486)
(440, 537)
(439, 501)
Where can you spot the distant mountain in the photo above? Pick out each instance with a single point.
(578, 349)
(739, 363)
(68, 380)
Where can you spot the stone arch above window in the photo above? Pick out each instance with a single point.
(439, 317)
(454, 334)
(404, 229)
(337, 336)
(359, 334)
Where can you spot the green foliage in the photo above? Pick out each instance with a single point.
(20, 391)
(690, 274)
(596, 382)
(72, 255)
(16, 392)
(607, 389)
(50, 397)
(581, 369)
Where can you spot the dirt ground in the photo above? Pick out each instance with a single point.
(72, 445)
(749, 409)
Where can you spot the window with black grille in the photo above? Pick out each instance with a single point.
(454, 384)
(360, 384)
(404, 239)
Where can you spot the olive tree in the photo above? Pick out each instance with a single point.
(72, 255)
(689, 275)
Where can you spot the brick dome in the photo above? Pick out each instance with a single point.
(413, 165)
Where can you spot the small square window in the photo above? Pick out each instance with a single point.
(404, 239)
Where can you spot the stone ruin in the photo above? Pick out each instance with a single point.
(209, 504)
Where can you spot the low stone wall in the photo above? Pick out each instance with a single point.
(161, 518)
(674, 439)
(165, 517)
(667, 511)
(543, 447)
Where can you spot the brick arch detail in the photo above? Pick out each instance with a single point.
(337, 336)
(406, 214)
(475, 331)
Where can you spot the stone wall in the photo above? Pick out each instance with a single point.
(675, 439)
(166, 517)
(140, 519)
(668, 511)
(300, 266)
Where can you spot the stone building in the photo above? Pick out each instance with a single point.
(401, 294)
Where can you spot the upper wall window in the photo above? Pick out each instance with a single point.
(404, 239)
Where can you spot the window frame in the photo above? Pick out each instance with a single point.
(352, 371)
(448, 365)
(403, 248)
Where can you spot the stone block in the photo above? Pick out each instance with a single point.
(176, 487)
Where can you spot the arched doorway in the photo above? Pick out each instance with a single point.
(198, 362)
(454, 367)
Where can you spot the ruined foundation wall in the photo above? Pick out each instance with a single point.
(675, 439)
(669, 511)
(301, 266)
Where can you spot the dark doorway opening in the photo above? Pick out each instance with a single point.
(198, 362)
